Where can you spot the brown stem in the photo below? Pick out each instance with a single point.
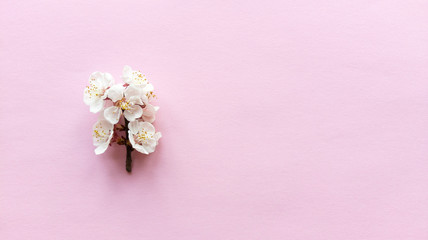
(128, 149)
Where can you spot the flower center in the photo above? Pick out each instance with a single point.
(124, 104)
(94, 91)
(139, 78)
(100, 134)
(142, 137)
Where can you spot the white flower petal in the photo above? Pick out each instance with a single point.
(149, 119)
(126, 74)
(115, 93)
(149, 87)
(135, 100)
(95, 76)
(96, 105)
(149, 113)
(108, 80)
(127, 70)
(112, 114)
(133, 113)
(101, 148)
(106, 124)
(141, 149)
(150, 147)
(158, 135)
(133, 91)
(133, 127)
(131, 136)
(148, 127)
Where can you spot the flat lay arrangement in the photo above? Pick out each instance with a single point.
(125, 112)
(282, 119)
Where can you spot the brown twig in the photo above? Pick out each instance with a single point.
(129, 149)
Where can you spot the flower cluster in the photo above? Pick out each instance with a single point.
(130, 100)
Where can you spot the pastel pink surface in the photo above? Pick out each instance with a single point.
(280, 120)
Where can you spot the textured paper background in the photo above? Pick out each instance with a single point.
(281, 120)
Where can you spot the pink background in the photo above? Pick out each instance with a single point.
(280, 120)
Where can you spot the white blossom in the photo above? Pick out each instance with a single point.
(133, 77)
(96, 92)
(130, 100)
(102, 135)
(143, 137)
(124, 99)
(136, 78)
